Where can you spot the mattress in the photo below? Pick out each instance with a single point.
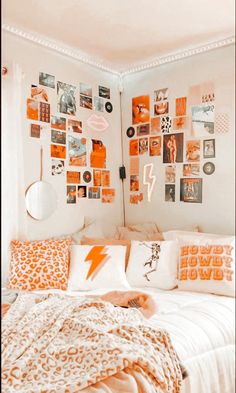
(201, 327)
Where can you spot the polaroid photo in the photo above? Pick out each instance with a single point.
(161, 94)
(58, 167)
(58, 151)
(169, 192)
(74, 126)
(94, 193)
(72, 177)
(104, 92)
(71, 194)
(209, 148)
(58, 137)
(47, 80)
(170, 174)
(193, 150)
(77, 151)
(108, 195)
(58, 123)
(66, 102)
(39, 93)
(155, 146)
(134, 183)
(143, 129)
(98, 104)
(161, 109)
(82, 192)
(35, 130)
(143, 145)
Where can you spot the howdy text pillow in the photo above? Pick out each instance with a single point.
(97, 267)
(208, 266)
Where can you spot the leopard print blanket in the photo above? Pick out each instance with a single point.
(55, 343)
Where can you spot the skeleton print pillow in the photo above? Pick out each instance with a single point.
(153, 264)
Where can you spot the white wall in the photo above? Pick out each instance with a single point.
(67, 218)
(216, 213)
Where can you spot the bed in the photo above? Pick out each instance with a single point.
(201, 328)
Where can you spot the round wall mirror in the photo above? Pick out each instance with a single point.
(41, 200)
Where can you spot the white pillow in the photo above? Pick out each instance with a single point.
(153, 264)
(188, 235)
(87, 274)
(207, 266)
(90, 229)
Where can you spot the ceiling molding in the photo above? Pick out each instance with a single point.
(59, 47)
(85, 58)
(181, 54)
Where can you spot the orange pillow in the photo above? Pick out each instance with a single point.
(90, 241)
(39, 264)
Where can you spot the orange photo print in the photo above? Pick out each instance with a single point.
(73, 177)
(98, 155)
(58, 151)
(32, 109)
(180, 106)
(133, 147)
(108, 195)
(140, 109)
(105, 179)
(155, 146)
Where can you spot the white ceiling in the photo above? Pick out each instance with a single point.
(124, 33)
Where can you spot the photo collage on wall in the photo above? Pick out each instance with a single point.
(182, 136)
(78, 159)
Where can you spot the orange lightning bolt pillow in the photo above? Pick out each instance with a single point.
(97, 267)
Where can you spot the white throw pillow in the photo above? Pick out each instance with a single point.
(90, 229)
(207, 266)
(97, 267)
(153, 264)
(189, 235)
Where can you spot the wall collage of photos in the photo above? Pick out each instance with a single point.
(80, 160)
(181, 136)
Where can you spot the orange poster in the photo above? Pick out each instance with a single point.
(136, 198)
(73, 177)
(58, 151)
(98, 155)
(155, 125)
(134, 166)
(141, 109)
(32, 109)
(193, 150)
(108, 195)
(39, 93)
(155, 146)
(180, 106)
(180, 123)
(133, 147)
(134, 183)
(96, 177)
(105, 179)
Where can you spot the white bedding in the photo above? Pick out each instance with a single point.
(201, 327)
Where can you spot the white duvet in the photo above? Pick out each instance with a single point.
(201, 327)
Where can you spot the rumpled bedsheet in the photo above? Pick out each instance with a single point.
(56, 343)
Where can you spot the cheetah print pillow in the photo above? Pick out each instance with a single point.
(39, 264)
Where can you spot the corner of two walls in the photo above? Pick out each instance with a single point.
(216, 212)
